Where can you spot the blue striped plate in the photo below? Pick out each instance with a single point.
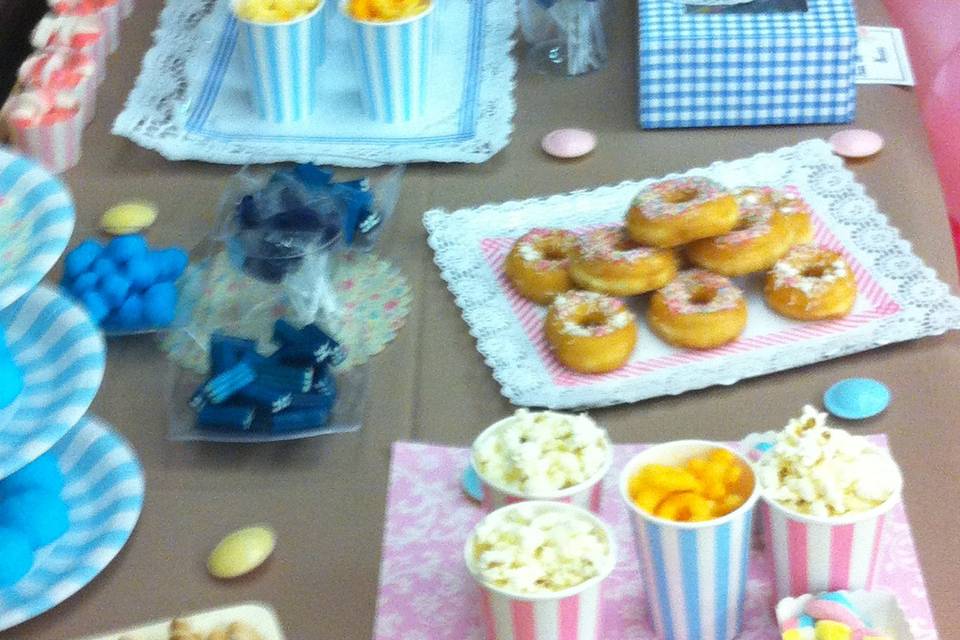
(61, 355)
(104, 491)
(36, 220)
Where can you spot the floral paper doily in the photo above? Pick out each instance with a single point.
(374, 301)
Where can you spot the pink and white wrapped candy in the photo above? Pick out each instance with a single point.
(59, 68)
(46, 124)
(85, 33)
(108, 11)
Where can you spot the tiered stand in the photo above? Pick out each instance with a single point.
(61, 354)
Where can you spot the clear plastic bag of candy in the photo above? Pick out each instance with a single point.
(260, 289)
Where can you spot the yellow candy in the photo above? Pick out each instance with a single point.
(648, 498)
(684, 507)
(271, 11)
(792, 634)
(386, 10)
(128, 217)
(732, 476)
(832, 630)
(241, 552)
(670, 478)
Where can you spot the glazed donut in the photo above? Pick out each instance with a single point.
(698, 310)
(797, 211)
(610, 262)
(590, 332)
(811, 283)
(674, 212)
(538, 261)
(761, 237)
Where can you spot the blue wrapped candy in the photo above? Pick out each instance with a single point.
(40, 514)
(160, 304)
(103, 267)
(141, 271)
(81, 258)
(17, 554)
(96, 306)
(114, 289)
(42, 473)
(124, 248)
(83, 282)
(130, 313)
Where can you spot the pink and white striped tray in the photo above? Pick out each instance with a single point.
(471, 245)
(426, 593)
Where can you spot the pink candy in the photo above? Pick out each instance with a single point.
(856, 143)
(569, 143)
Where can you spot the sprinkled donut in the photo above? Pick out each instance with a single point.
(609, 262)
(762, 235)
(590, 332)
(811, 283)
(538, 262)
(673, 212)
(698, 310)
(797, 211)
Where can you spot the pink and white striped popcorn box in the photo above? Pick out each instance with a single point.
(107, 11)
(571, 614)
(586, 495)
(810, 554)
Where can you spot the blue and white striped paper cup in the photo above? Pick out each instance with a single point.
(282, 64)
(395, 61)
(694, 573)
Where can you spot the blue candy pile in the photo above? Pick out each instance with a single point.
(125, 285)
(291, 390)
(32, 515)
(299, 209)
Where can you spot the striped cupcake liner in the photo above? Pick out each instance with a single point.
(395, 60)
(282, 64)
(694, 574)
(810, 555)
(56, 146)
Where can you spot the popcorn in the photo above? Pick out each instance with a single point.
(539, 453)
(816, 470)
(537, 548)
(274, 10)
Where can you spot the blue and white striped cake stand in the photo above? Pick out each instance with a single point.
(61, 354)
(36, 220)
(104, 493)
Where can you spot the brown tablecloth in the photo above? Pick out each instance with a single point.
(325, 496)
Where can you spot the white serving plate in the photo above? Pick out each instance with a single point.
(261, 617)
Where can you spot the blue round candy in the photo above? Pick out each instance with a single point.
(130, 314)
(471, 483)
(114, 289)
(103, 267)
(41, 515)
(856, 398)
(17, 554)
(96, 306)
(172, 263)
(159, 304)
(84, 282)
(42, 473)
(81, 258)
(124, 248)
(142, 272)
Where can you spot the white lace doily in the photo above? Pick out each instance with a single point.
(900, 298)
(191, 102)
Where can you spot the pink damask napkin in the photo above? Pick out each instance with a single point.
(427, 594)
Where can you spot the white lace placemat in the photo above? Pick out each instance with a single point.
(899, 297)
(191, 102)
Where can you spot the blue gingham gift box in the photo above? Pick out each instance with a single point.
(728, 69)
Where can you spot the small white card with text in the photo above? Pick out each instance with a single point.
(882, 57)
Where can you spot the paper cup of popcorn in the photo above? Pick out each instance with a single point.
(284, 49)
(59, 68)
(107, 11)
(393, 46)
(542, 455)
(826, 495)
(693, 564)
(84, 33)
(46, 125)
(540, 567)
